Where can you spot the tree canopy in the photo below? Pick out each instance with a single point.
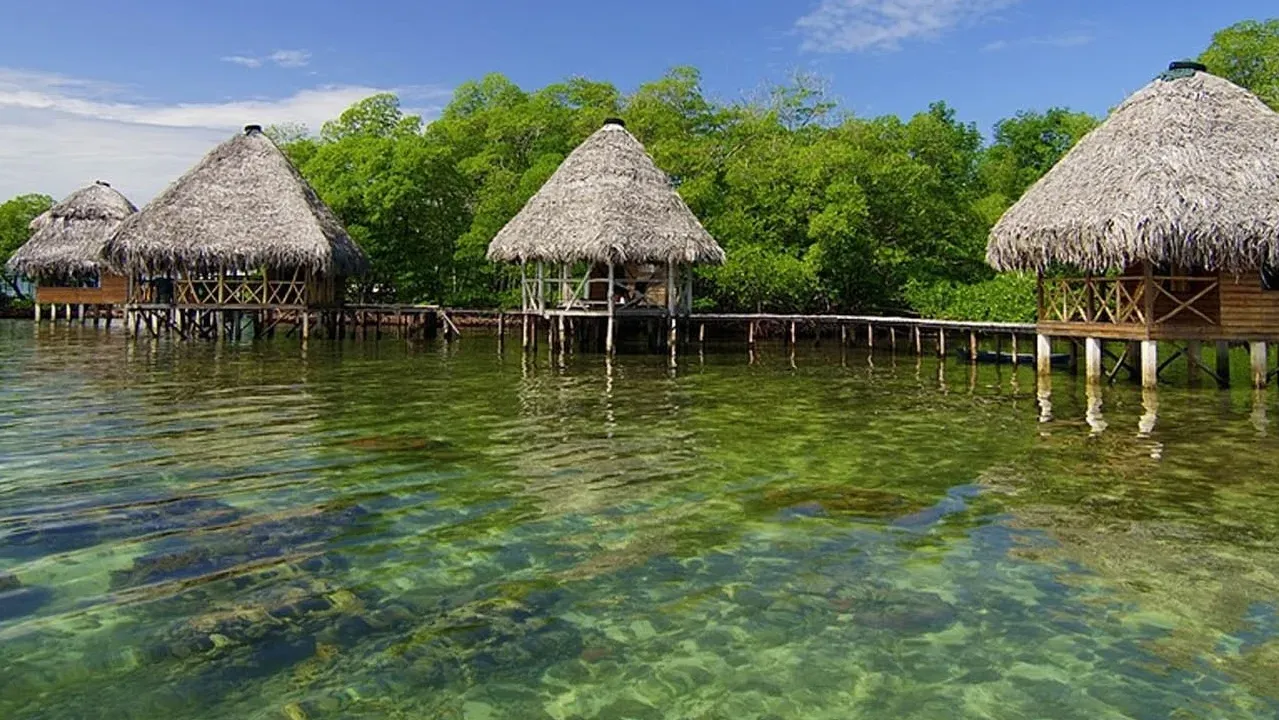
(15, 217)
(1247, 54)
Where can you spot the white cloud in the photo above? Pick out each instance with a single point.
(1065, 40)
(858, 25)
(281, 58)
(59, 133)
(244, 60)
(290, 58)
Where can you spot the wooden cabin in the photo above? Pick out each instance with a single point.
(63, 257)
(240, 237)
(607, 237)
(1160, 226)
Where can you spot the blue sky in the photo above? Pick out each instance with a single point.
(136, 91)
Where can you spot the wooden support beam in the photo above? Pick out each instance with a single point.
(750, 337)
(1149, 363)
(919, 341)
(1260, 355)
(1016, 358)
(37, 311)
(1092, 360)
(1194, 362)
(941, 343)
(972, 346)
(1044, 355)
(1223, 363)
(870, 337)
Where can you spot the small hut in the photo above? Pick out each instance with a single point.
(241, 233)
(606, 236)
(63, 257)
(1160, 225)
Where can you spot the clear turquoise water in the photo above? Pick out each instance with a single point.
(427, 530)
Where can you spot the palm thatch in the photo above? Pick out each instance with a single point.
(67, 240)
(1185, 172)
(608, 202)
(244, 206)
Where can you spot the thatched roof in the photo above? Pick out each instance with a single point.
(608, 201)
(243, 206)
(67, 240)
(1185, 172)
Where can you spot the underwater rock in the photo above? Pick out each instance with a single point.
(74, 529)
(17, 600)
(902, 611)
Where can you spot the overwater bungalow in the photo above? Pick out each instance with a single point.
(241, 235)
(1162, 225)
(63, 256)
(606, 237)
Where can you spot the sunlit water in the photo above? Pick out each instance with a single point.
(429, 530)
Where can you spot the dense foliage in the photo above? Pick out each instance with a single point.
(817, 209)
(15, 216)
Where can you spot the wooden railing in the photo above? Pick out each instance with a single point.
(240, 291)
(1131, 300)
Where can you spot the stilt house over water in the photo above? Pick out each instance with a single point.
(1160, 225)
(242, 234)
(64, 253)
(607, 236)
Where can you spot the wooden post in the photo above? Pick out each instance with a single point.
(1092, 360)
(1044, 356)
(1016, 359)
(609, 346)
(1260, 353)
(672, 270)
(919, 342)
(843, 335)
(972, 346)
(1194, 356)
(750, 337)
(892, 339)
(1149, 363)
(68, 306)
(870, 337)
(37, 310)
(792, 334)
(1223, 363)
(941, 343)
(80, 312)
(701, 333)
(306, 325)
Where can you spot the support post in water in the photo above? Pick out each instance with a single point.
(1260, 354)
(941, 343)
(972, 346)
(870, 337)
(1149, 363)
(1223, 363)
(919, 342)
(608, 338)
(1044, 356)
(1092, 360)
(1194, 358)
(1016, 359)
(37, 311)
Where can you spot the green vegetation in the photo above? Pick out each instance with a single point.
(15, 216)
(818, 210)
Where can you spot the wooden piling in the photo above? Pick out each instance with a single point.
(1149, 363)
(972, 346)
(1044, 356)
(1223, 363)
(1194, 358)
(1260, 355)
(919, 342)
(37, 313)
(1092, 360)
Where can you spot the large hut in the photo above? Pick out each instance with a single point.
(240, 233)
(63, 256)
(606, 236)
(1160, 225)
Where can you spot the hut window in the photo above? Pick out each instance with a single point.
(1270, 276)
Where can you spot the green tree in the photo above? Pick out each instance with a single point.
(15, 218)
(1247, 54)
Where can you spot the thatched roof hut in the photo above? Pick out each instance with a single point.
(608, 202)
(243, 206)
(1185, 172)
(67, 240)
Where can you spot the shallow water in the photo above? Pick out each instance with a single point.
(431, 530)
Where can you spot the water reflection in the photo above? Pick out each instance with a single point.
(419, 531)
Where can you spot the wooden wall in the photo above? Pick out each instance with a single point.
(1247, 310)
(112, 290)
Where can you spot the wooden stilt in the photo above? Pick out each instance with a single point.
(941, 342)
(1260, 354)
(701, 333)
(870, 337)
(1044, 356)
(37, 313)
(68, 308)
(306, 325)
(1149, 363)
(1223, 363)
(1016, 358)
(609, 346)
(972, 346)
(919, 342)
(1092, 360)
(750, 338)
(1194, 358)
(892, 339)
(80, 312)
(843, 335)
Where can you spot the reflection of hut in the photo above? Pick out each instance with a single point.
(240, 233)
(1160, 225)
(64, 254)
(607, 236)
